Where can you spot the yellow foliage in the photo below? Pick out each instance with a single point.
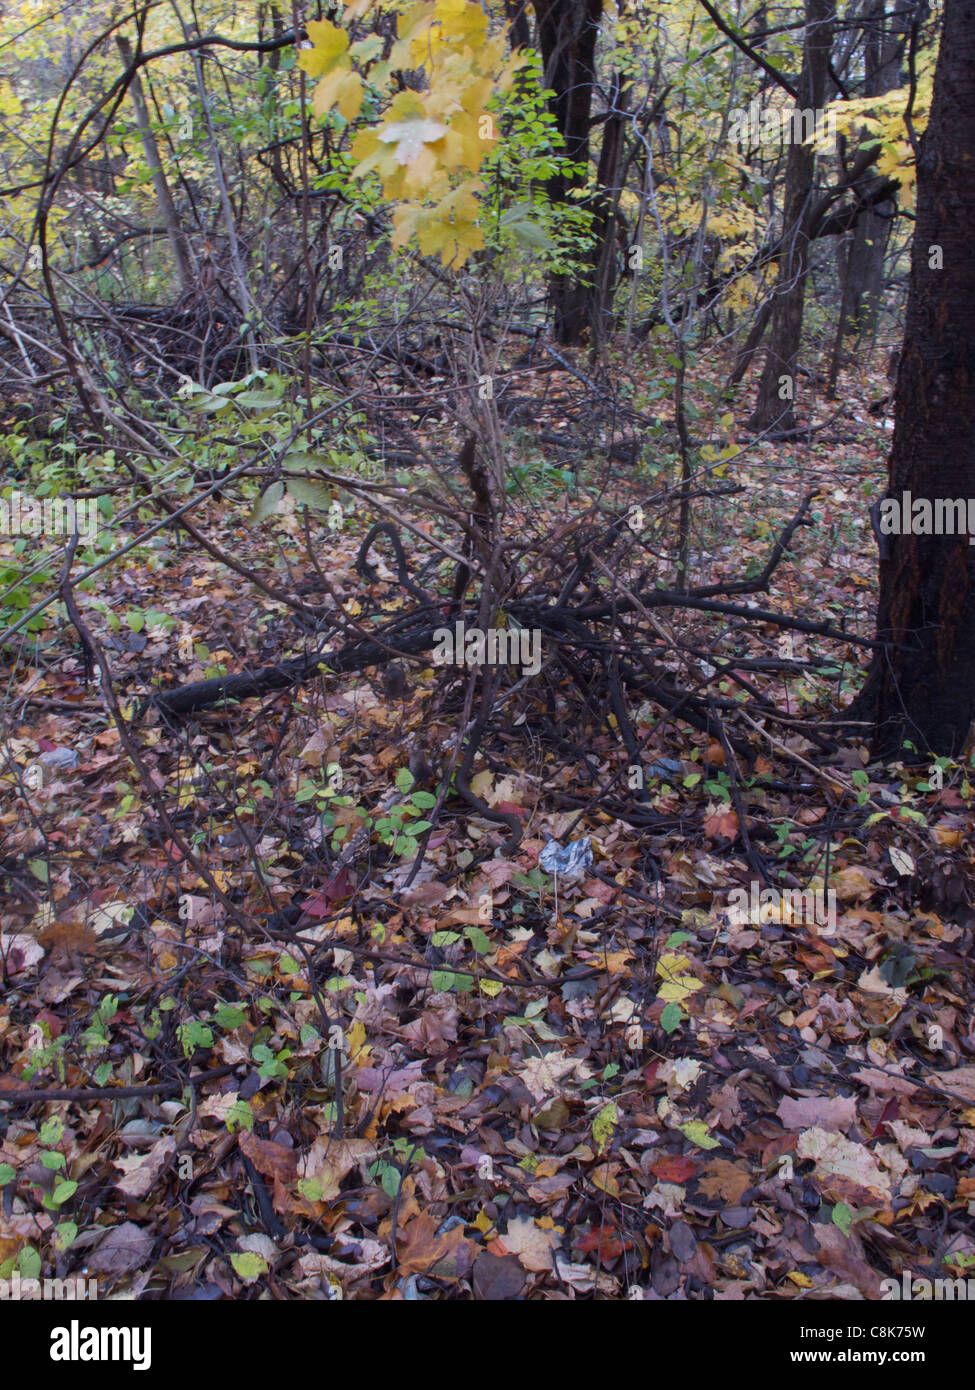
(424, 137)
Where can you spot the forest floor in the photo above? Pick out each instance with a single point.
(475, 1079)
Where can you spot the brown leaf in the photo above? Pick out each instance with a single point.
(497, 1277)
(725, 1180)
(421, 1251)
(832, 1112)
(125, 1248)
(270, 1159)
(533, 1245)
(141, 1171)
(723, 825)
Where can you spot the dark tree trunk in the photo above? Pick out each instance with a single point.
(886, 39)
(599, 309)
(567, 34)
(776, 390)
(516, 13)
(923, 689)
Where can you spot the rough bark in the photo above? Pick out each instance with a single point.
(567, 35)
(923, 689)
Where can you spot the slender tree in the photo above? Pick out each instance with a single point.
(776, 390)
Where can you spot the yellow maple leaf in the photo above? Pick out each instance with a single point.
(409, 136)
(339, 88)
(329, 43)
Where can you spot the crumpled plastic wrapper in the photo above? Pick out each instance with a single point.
(571, 863)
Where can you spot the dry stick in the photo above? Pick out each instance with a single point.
(760, 582)
(830, 780)
(86, 1093)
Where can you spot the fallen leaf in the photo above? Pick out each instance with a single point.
(533, 1246)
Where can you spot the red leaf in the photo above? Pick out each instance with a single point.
(602, 1240)
(337, 888)
(674, 1168)
(650, 1073)
(889, 1112)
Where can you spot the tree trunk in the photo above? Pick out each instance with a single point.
(182, 254)
(923, 689)
(776, 390)
(599, 309)
(886, 38)
(567, 34)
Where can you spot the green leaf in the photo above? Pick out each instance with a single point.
(843, 1217)
(671, 1016)
(404, 779)
(64, 1235)
(230, 1016)
(258, 400)
(63, 1191)
(266, 504)
(52, 1131)
(249, 1266)
(239, 1116)
(604, 1124)
(424, 800)
(444, 938)
(308, 494)
(479, 940)
(442, 980)
(7, 1174)
(390, 1180)
(207, 403)
(302, 462)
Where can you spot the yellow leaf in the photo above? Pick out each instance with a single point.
(341, 89)
(602, 1177)
(697, 1132)
(604, 1124)
(410, 135)
(678, 984)
(330, 44)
